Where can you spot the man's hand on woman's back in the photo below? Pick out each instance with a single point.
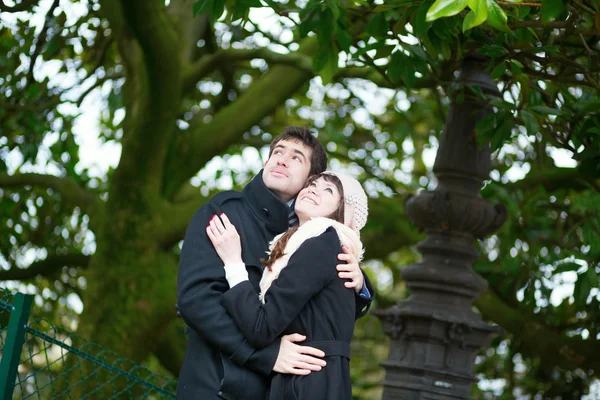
(351, 270)
(296, 359)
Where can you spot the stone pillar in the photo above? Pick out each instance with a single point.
(435, 334)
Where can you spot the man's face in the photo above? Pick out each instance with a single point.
(286, 171)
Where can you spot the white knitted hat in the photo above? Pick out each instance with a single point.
(356, 207)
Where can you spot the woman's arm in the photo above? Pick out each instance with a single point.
(308, 271)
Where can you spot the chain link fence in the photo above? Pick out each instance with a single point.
(41, 361)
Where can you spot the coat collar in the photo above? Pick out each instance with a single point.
(266, 205)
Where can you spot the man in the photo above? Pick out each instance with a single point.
(219, 363)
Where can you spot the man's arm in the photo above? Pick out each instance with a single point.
(357, 280)
(363, 303)
(201, 284)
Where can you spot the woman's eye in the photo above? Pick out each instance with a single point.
(329, 190)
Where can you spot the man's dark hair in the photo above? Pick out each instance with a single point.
(299, 134)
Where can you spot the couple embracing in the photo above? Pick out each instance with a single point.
(269, 282)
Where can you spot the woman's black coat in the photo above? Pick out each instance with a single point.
(309, 298)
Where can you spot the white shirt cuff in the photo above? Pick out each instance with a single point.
(235, 273)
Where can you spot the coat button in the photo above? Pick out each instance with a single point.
(266, 211)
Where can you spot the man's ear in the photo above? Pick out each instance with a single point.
(266, 162)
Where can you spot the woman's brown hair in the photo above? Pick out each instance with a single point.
(338, 215)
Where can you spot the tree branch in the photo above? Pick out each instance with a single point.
(370, 74)
(551, 179)
(202, 141)
(25, 5)
(70, 191)
(158, 39)
(99, 82)
(537, 23)
(45, 268)
(392, 184)
(173, 220)
(41, 39)
(552, 347)
(154, 95)
(210, 62)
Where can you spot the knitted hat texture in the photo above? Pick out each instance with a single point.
(356, 207)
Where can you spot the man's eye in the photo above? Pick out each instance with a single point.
(298, 159)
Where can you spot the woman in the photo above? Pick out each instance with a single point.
(300, 289)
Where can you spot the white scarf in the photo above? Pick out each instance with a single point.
(310, 229)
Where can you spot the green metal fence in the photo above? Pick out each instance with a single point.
(41, 361)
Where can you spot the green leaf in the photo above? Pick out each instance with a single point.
(511, 266)
(477, 16)
(344, 38)
(310, 22)
(325, 28)
(430, 48)
(499, 70)
(530, 122)
(592, 276)
(515, 68)
(241, 8)
(532, 31)
(384, 51)
(497, 17)
(377, 26)
(217, 7)
(408, 73)
(446, 50)
(420, 23)
(587, 106)
(395, 68)
(541, 110)
(419, 52)
(325, 62)
(551, 9)
(485, 126)
(493, 50)
(582, 291)
(200, 6)
(566, 267)
(468, 22)
(402, 68)
(445, 8)
(504, 131)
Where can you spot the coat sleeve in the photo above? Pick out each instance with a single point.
(200, 286)
(309, 270)
(363, 305)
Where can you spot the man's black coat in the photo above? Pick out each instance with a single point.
(219, 362)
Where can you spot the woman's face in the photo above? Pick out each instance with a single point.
(320, 199)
